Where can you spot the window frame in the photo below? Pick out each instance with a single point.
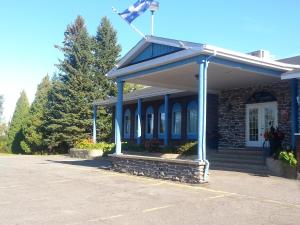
(149, 110)
(193, 105)
(176, 109)
(127, 113)
(135, 124)
(161, 110)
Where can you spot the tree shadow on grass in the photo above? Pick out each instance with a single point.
(104, 164)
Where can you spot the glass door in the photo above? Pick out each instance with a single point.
(259, 118)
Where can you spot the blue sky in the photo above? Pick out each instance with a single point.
(29, 30)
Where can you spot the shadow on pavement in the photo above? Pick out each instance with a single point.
(94, 163)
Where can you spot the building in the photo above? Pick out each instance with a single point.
(218, 97)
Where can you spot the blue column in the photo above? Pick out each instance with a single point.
(202, 94)
(94, 123)
(294, 87)
(166, 134)
(139, 122)
(118, 121)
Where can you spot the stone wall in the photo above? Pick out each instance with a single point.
(85, 153)
(232, 112)
(187, 171)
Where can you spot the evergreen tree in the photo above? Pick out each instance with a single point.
(34, 129)
(19, 119)
(2, 124)
(1, 107)
(69, 107)
(107, 51)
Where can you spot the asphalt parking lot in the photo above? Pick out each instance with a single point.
(61, 190)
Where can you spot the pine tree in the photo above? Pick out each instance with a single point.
(34, 131)
(2, 124)
(69, 108)
(107, 51)
(19, 119)
(1, 107)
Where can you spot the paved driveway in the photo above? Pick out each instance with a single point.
(60, 190)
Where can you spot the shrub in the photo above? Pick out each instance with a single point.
(89, 145)
(3, 144)
(189, 148)
(133, 147)
(152, 145)
(288, 157)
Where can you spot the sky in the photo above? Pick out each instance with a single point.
(31, 28)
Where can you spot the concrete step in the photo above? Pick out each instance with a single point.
(259, 169)
(242, 152)
(235, 156)
(241, 161)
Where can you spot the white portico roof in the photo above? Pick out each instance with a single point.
(190, 49)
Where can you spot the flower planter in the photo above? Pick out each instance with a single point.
(85, 154)
(279, 168)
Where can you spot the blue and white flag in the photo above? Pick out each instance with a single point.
(135, 10)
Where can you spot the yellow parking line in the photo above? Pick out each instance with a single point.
(105, 218)
(156, 208)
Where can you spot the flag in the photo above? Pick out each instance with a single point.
(135, 10)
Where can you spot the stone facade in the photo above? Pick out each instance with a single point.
(187, 171)
(232, 112)
(85, 154)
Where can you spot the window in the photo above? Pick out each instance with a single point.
(176, 121)
(127, 124)
(135, 124)
(192, 120)
(161, 121)
(149, 122)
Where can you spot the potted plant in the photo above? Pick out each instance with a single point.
(275, 137)
(289, 163)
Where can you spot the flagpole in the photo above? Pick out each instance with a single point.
(152, 23)
(153, 8)
(131, 25)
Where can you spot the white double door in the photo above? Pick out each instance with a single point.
(259, 118)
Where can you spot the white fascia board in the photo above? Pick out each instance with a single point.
(290, 76)
(134, 51)
(248, 59)
(151, 39)
(177, 56)
(133, 98)
(174, 43)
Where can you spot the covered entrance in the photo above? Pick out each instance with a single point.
(200, 68)
(260, 117)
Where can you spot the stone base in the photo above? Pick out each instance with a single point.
(85, 154)
(186, 171)
(281, 169)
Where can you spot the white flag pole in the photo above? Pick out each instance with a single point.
(153, 8)
(131, 25)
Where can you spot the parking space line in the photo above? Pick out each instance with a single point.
(220, 196)
(105, 218)
(10, 186)
(156, 208)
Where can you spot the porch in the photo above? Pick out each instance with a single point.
(202, 69)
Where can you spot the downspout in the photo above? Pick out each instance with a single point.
(206, 171)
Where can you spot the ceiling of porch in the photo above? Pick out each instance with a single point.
(219, 78)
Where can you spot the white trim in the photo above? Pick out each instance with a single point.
(177, 56)
(192, 49)
(291, 75)
(138, 47)
(261, 125)
(250, 59)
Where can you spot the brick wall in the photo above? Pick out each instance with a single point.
(232, 112)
